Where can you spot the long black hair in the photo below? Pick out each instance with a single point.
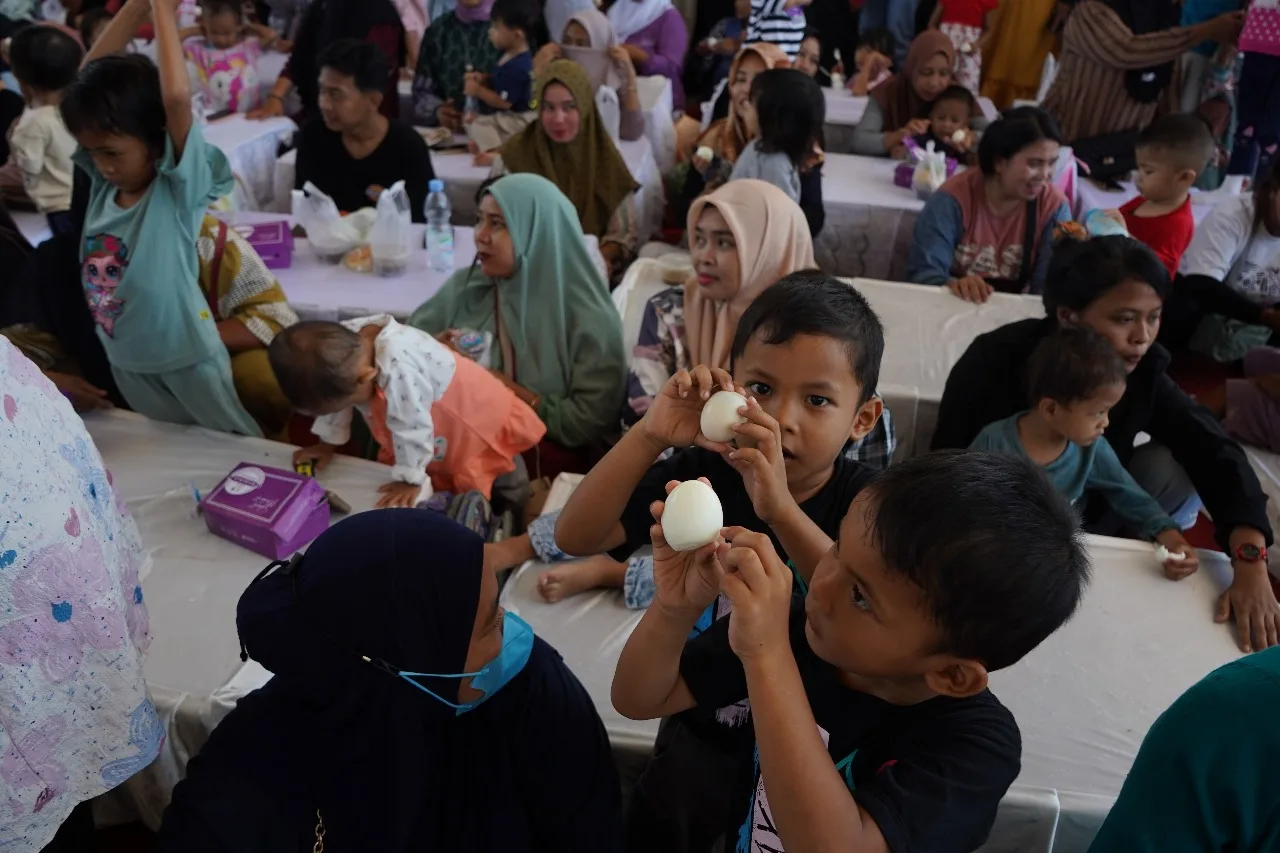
(791, 111)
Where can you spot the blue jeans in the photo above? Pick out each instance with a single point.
(898, 17)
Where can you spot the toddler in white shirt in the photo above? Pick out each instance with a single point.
(45, 60)
(441, 420)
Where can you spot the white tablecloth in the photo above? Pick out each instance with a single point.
(1083, 708)
(252, 146)
(926, 330)
(869, 220)
(462, 179)
(193, 669)
(332, 292)
(844, 111)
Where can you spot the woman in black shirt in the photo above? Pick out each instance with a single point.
(1117, 287)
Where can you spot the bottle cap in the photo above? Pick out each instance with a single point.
(435, 185)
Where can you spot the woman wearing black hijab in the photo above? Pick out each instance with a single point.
(1117, 62)
(327, 21)
(352, 743)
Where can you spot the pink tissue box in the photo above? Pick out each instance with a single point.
(905, 171)
(272, 240)
(267, 510)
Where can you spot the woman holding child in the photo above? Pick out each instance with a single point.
(536, 294)
(899, 107)
(1117, 287)
(991, 228)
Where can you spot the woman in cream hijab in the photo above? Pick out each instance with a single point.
(743, 237)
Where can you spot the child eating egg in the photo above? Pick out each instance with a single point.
(949, 125)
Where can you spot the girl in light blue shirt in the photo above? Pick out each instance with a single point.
(153, 176)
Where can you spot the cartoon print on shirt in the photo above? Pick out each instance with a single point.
(106, 258)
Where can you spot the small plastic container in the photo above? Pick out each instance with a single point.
(390, 261)
(676, 268)
(331, 254)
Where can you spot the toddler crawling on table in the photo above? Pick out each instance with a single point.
(441, 420)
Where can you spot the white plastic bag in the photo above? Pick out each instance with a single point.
(930, 173)
(391, 237)
(330, 235)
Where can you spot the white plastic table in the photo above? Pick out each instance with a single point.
(193, 669)
(926, 330)
(870, 220)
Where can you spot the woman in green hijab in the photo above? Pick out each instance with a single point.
(557, 339)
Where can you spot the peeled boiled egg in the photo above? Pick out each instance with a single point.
(720, 413)
(692, 516)
(704, 152)
(958, 136)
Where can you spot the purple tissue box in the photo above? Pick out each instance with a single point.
(267, 510)
(273, 242)
(904, 172)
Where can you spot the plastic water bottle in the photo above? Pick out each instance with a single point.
(439, 228)
(470, 106)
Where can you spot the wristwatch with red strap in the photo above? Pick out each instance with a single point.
(1249, 553)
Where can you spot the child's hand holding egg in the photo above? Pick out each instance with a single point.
(686, 568)
(674, 416)
(720, 415)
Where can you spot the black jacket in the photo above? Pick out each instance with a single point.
(988, 384)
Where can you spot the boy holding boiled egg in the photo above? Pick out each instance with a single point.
(807, 356)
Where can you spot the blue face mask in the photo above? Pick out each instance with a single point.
(517, 644)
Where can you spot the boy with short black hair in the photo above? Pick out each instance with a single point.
(45, 61)
(873, 723)
(807, 352)
(1171, 153)
(1075, 377)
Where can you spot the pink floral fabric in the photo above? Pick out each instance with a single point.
(75, 719)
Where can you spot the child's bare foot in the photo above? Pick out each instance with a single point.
(572, 578)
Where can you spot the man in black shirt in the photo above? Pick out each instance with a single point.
(874, 726)
(353, 152)
(807, 352)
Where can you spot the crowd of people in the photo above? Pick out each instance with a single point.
(821, 665)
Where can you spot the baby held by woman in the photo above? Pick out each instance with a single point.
(441, 420)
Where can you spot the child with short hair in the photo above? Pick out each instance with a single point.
(510, 85)
(507, 99)
(1075, 376)
(872, 61)
(45, 60)
(873, 723)
(949, 119)
(967, 23)
(152, 177)
(808, 351)
(441, 420)
(224, 51)
(1171, 153)
(789, 110)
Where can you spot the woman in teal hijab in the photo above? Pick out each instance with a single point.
(556, 337)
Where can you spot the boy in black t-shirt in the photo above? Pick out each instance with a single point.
(807, 352)
(873, 723)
